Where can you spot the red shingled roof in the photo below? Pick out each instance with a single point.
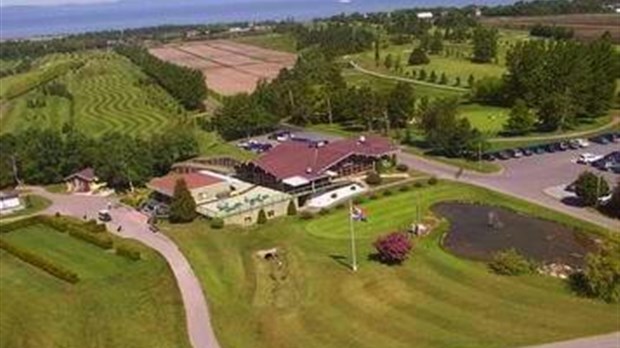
(165, 184)
(293, 158)
(87, 174)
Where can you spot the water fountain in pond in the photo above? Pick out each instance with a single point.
(494, 221)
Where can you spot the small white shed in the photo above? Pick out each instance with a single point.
(9, 201)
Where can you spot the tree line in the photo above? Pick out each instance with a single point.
(547, 7)
(552, 32)
(554, 85)
(185, 84)
(46, 156)
(334, 39)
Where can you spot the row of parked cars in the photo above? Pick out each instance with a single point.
(563, 145)
(279, 136)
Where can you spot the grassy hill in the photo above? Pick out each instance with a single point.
(116, 303)
(434, 299)
(109, 93)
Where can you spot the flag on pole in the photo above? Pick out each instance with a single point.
(358, 214)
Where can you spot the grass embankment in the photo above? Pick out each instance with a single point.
(33, 203)
(433, 300)
(116, 303)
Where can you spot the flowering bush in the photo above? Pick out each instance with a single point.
(393, 248)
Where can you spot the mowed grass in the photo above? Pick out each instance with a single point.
(433, 300)
(487, 119)
(272, 41)
(109, 94)
(117, 303)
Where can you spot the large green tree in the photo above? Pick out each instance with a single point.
(589, 188)
(521, 119)
(485, 44)
(400, 104)
(418, 57)
(242, 115)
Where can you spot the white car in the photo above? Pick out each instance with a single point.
(603, 200)
(587, 158)
(582, 142)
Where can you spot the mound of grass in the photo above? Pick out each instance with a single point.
(117, 303)
(433, 299)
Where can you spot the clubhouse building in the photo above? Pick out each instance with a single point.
(295, 166)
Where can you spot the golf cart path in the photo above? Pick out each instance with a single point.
(614, 121)
(611, 340)
(404, 79)
(135, 226)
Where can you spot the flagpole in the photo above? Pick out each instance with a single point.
(353, 256)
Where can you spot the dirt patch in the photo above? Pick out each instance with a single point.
(477, 231)
(586, 26)
(229, 67)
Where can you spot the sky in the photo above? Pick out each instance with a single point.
(48, 2)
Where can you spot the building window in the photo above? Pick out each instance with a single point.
(271, 213)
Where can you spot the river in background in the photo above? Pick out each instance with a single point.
(28, 21)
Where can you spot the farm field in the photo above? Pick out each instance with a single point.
(272, 41)
(109, 93)
(586, 26)
(116, 303)
(229, 67)
(434, 299)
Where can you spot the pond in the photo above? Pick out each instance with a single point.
(477, 231)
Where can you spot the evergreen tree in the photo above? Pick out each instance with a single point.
(418, 57)
(432, 77)
(521, 120)
(443, 80)
(485, 44)
(291, 209)
(422, 76)
(471, 80)
(400, 104)
(436, 45)
(377, 53)
(262, 217)
(388, 61)
(183, 206)
(457, 81)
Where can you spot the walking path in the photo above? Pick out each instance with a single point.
(134, 226)
(604, 341)
(404, 79)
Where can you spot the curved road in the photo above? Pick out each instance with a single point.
(134, 226)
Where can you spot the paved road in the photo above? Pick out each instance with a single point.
(527, 178)
(604, 341)
(134, 226)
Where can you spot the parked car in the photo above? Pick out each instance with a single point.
(601, 139)
(573, 144)
(514, 153)
(104, 216)
(503, 155)
(527, 151)
(582, 142)
(539, 150)
(563, 145)
(551, 148)
(587, 158)
(280, 136)
(488, 156)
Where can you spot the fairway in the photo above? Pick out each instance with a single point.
(433, 300)
(109, 94)
(116, 303)
(487, 119)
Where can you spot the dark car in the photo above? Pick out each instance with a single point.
(563, 146)
(489, 156)
(515, 153)
(503, 155)
(551, 148)
(539, 150)
(601, 139)
(527, 151)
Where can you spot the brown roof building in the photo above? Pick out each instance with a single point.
(293, 164)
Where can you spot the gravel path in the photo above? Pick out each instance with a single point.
(604, 341)
(134, 226)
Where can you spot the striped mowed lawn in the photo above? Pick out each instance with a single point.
(116, 303)
(433, 300)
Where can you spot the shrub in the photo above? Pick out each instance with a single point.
(373, 178)
(418, 184)
(510, 262)
(601, 276)
(432, 181)
(93, 226)
(306, 215)
(128, 252)
(359, 200)
(589, 187)
(373, 196)
(404, 188)
(40, 262)
(101, 240)
(393, 248)
(418, 57)
(291, 209)
(340, 206)
(262, 217)
(324, 211)
(401, 167)
(12, 226)
(387, 193)
(217, 223)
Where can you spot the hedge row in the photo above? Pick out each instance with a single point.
(15, 225)
(41, 263)
(101, 240)
(128, 252)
